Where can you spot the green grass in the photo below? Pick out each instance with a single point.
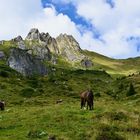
(114, 66)
(68, 121)
(32, 113)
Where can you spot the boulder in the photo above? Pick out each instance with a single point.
(86, 63)
(1, 42)
(25, 63)
(2, 55)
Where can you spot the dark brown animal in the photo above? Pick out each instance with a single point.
(2, 105)
(87, 97)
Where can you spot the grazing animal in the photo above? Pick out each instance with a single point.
(87, 97)
(2, 105)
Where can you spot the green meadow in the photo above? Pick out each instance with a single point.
(32, 112)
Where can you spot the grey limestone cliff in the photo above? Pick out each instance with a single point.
(25, 63)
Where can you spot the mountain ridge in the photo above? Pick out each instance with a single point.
(64, 50)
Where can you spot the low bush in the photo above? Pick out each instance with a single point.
(29, 92)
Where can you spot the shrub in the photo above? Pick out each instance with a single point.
(131, 90)
(120, 116)
(4, 73)
(29, 92)
(107, 132)
(109, 135)
(97, 94)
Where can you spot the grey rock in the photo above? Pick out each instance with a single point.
(50, 42)
(21, 45)
(69, 47)
(2, 55)
(45, 37)
(41, 52)
(25, 63)
(1, 42)
(17, 39)
(33, 34)
(86, 63)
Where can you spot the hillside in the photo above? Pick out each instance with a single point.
(31, 106)
(41, 83)
(114, 66)
(65, 51)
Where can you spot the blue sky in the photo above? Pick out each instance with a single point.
(109, 27)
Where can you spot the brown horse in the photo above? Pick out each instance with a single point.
(2, 105)
(87, 96)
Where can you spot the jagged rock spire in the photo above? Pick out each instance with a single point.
(33, 34)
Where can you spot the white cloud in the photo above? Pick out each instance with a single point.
(19, 16)
(15, 16)
(55, 23)
(114, 24)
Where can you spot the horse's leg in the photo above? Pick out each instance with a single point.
(92, 105)
(87, 104)
(82, 103)
(2, 107)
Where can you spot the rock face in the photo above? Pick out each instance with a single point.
(44, 39)
(2, 55)
(33, 34)
(28, 55)
(25, 63)
(1, 42)
(50, 42)
(41, 52)
(69, 47)
(21, 45)
(17, 39)
(64, 45)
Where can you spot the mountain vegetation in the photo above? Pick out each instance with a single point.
(41, 79)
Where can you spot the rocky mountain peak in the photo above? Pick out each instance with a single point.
(69, 47)
(44, 47)
(44, 39)
(17, 39)
(33, 34)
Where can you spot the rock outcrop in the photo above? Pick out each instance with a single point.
(2, 55)
(69, 47)
(44, 47)
(87, 63)
(50, 42)
(64, 45)
(44, 39)
(25, 63)
(17, 39)
(1, 42)
(33, 34)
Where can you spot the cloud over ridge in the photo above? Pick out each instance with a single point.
(115, 24)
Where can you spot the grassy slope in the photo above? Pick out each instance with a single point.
(32, 112)
(114, 66)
